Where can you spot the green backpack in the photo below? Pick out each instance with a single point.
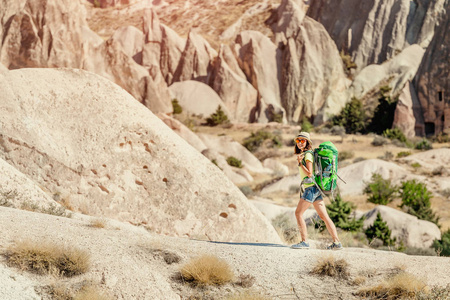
(325, 168)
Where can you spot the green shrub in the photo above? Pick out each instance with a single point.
(352, 117)
(416, 165)
(424, 144)
(395, 134)
(381, 231)
(217, 118)
(443, 245)
(234, 162)
(255, 140)
(416, 201)
(380, 190)
(340, 212)
(177, 109)
(403, 154)
(306, 125)
(348, 62)
(277, 117)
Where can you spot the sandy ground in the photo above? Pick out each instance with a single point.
(127, 262)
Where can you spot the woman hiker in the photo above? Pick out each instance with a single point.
(311, 195)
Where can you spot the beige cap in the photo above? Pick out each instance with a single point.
(304, 135)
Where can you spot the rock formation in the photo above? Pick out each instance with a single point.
(240, 97)
(83, 137)
(197, 98)
(432, 81)
(404, 227)
(374, 31)
(313, 82)
(51, 33)
(195, 59)
(394, 73)
(259, 59)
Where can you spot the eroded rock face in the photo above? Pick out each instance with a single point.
(432, 80)
(374, 31)
(49, 33)
(395, 73)
(239, 96)
(83, 137)
(313, 82)
(259, 60)
(404, 113)
(195, 59)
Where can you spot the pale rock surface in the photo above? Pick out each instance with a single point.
(278, 168)
(197, 98)
(114, 3)
(236, 175)
(132, 41)
(397, 72)
(357, 175)
(20, 191)
(81, 136)
(374, 31)
(195, 59)
(312, 79)
(405, 227)
(3, 69)
(431, 160)
(283, 184)
(16, 286)
(183, 132)
(259, 59)
(129, 261)
(228, 147)
(240, 97)
(432, 80)
(290, 13)
(404, 118)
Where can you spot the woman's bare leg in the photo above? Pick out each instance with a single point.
(323, 214)
(301, 208)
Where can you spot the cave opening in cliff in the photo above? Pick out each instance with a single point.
(429, 129)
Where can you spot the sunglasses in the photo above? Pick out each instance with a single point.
(301, 141)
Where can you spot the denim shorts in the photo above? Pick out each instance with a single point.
(312, 194)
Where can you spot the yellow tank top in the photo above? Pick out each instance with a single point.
(303, 175)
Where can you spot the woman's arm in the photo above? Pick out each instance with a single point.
(309, 168)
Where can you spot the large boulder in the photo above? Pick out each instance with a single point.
(358, 175)
(79, 135)
(432, 80)
(395, 73)
(374, 31)
(198, 98)
(404, 227)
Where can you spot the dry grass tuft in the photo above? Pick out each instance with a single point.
(245, 280)
(207, 270)
(98, 223)
(83, 291)
(402, 285)
(48, 258)
(359, 280)
(329, 266)
(90, 293)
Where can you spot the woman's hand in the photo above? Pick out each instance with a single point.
(300, 158)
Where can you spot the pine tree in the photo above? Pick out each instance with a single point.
(380, 230)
